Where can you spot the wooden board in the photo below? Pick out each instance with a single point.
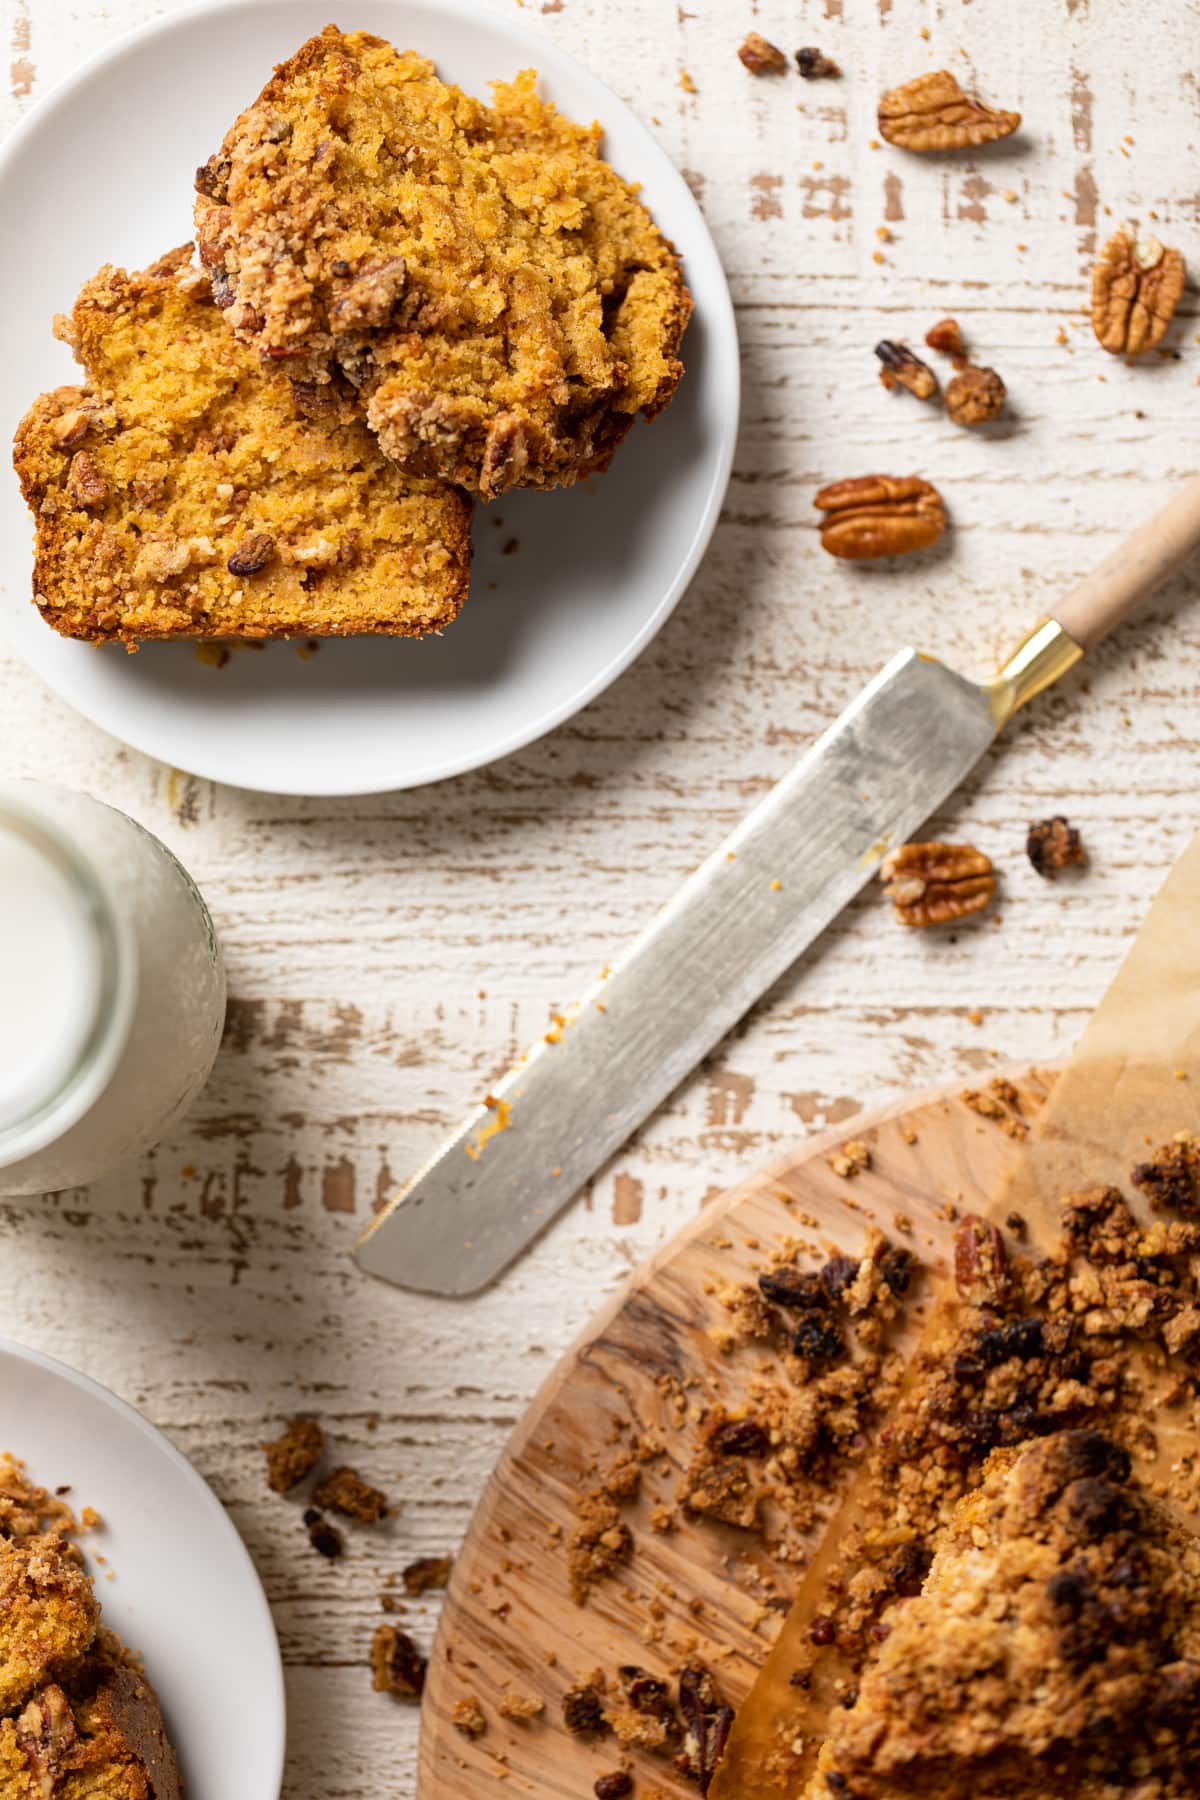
(702, 1592)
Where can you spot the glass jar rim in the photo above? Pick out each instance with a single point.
(99, 1053)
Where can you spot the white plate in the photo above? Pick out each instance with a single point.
(185, 1592)
(546, 628)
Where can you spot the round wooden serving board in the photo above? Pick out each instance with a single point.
(701, 1591)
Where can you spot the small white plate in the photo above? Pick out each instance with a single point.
(101, 171)
(185, 1593)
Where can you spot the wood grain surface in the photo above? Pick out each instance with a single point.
(387, 957)
(700, 1592)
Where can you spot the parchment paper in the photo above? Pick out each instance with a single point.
(1133, 1082)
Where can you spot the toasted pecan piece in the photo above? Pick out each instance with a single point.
(760, 55)
(880, 515)
(1053, 844)
(902, 368)
(933, 113)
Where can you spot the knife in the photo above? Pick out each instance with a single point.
(892, 758)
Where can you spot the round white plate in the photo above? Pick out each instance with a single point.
(185, 1593)
(597, 569)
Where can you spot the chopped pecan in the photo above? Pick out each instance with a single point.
(1171, 1177)
(935, 884)
(1136, 285)
(86, 481)
(975, 395)
(253, 554)
(902, 369)
(583, 1711)
(760, 55)
(814, 65)
(880, 515)
(946, 336)
(45, 1731)
(933, 113)
(1053, 844)
(427, 1572)
(707, 1725)
(980, 1262)
(397, 1665)
(212, 178)
(371, 298)
(71, 427)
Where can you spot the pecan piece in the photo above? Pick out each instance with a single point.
(933, 113)
(980, 1262)
(397, 1666)
(935, 884)
(1136, 285)
(946, 336)
(1053, 844)
(880, 515)
(45, 1731)
(707, 1724)
(760, 55)
(252, 554)
(86, 481)
(814, 65)
(975, 395)
(212, 178)
(902, 369)
(372, 298)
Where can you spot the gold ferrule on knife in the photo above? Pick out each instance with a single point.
(1038, 661)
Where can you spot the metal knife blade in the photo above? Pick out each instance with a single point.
(764, 895)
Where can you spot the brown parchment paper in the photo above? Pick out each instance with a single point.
(1133, 1082)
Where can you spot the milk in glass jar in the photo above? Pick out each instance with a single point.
(112, 989)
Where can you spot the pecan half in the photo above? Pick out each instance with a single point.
(902, 369)
(252, 554)
(880, 515)
(980, 1262)
(975, 395)
(946, 336)
(86, 482)
(933, 113)
(1136, 285)
(760, 55)
(1053, 844)
(814, 65)
(935, 884)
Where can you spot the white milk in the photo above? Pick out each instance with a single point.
(112, 989)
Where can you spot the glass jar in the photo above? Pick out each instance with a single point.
(112, 989)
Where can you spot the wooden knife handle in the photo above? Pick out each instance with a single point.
(1106, 597)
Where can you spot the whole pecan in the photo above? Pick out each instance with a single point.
(1136, 285)
(252, 554)
(935, 884)
(933, 113)
(1053, 844)
(760, 55)
(975, 395)
(880, 515)
(902, 369)
(980, 1262)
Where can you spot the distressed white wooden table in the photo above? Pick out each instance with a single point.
(387, 956)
